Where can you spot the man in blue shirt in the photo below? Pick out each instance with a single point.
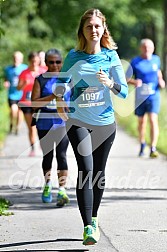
(12, 73)
(147, 80)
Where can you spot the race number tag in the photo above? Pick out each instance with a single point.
(28, 96)
(147, 89)
(51, 104)
(90, 97)
(15, 81)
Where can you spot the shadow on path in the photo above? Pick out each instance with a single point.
(30, 199)
(50, 250)
(18, 244)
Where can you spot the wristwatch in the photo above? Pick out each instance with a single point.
(59, 95)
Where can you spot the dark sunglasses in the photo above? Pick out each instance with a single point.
(51, 62)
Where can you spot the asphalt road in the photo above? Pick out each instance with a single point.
(132, 215)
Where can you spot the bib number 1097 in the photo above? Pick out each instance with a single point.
(90, 97)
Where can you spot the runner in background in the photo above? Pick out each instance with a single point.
(42, 60)
(12, 73)
(51, 128)
(26, 82)
(148, 80)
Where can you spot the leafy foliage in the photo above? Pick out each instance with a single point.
(40, 25)
(4, 205)
(55, 23)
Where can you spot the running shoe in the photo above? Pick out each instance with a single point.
(16, 131)
(89, 237)
(154, 154)
(96, 228)
(62, 198)
(142, 148)
(47, 194)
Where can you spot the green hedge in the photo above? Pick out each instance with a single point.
(4, 116)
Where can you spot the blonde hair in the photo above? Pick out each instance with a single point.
(106, 40)
(18, 54)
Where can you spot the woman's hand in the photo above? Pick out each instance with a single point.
(138, 83)
(62, 108)
(103, 79)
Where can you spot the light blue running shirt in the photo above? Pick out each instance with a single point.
(90, 100)
(12, 75)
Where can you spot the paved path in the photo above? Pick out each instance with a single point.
(132, 216)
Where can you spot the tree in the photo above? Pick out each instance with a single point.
(156, 11)
(37, 24)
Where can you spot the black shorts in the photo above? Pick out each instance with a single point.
(27, 110)
(11, 102)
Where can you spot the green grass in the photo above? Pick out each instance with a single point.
(126, 118)
(4, 116)
(4, 205)
(4, 126)
(162, 143)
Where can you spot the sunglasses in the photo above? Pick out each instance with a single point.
(51, 62)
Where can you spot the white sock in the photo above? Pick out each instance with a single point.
(48, 183)
(61, 188)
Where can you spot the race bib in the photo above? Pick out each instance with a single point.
(28, 96)
(90, 97)
(15, 81)
(147, 89)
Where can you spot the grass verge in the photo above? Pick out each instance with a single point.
(125, 117)
(4, 206)
(4, 117)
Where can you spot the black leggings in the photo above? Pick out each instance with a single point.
(47, 140)
(91, 145)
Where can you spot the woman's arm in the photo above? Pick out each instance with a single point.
(116, 83)
(120, 86)
(62, 108)
(37, 100)
(21, 84)
(63, 77)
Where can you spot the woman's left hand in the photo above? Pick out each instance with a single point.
(103, 79)
(62, 109)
